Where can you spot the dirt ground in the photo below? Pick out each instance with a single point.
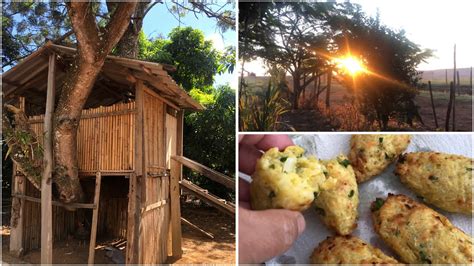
(440, 99)
(313, 120)
(197, 248)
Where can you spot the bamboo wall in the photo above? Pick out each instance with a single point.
(63, 221)
(105, 137)
(112, 213)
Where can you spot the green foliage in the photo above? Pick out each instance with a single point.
(390, 92)
(27, 24)
(209, 138)
(261, 112)
(209, 135)
(7, 170)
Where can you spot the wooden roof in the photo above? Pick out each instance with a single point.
(114, 84)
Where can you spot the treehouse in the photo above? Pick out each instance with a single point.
(129, 150)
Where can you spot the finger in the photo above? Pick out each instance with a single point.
(251, 140)
(248, 156)
(244, 190)
(270, 141)
(266, 234)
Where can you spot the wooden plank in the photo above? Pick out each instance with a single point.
(211, 236)
(95, 217)
(155, 205)
(46, 206)
(175, 210)
(57, 203)
(208, 172)
(224, 206)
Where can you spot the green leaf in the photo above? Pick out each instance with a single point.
(378, 203)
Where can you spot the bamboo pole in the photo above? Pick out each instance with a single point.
(46, 205)
(432, 104)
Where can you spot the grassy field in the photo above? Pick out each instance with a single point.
(342, 116)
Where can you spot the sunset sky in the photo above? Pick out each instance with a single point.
(437, 25)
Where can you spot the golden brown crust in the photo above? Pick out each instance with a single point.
(338, 196)
(419, 234)
(370, 154)
(348, 250)
(444, 180)
(285, 180)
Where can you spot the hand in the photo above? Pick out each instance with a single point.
(263, 234)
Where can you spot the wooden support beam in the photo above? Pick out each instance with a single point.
(46, 205)
(95, 218)
(224, 206)
(176, 236)
(211, 236)
(56, 203)
(208, 172)
(136, 180)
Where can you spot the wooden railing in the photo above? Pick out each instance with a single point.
(221, 204)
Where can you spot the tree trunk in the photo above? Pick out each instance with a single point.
(296, 90)
(93, 48)
(128, 44)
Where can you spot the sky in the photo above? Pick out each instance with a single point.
(436, 25)
(159, 21)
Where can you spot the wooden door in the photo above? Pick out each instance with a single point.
(155, 200)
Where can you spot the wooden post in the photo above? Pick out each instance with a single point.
(176, 176)
(432, 104)
(470, 80)
(450, 103)
(95, 217)
(46, 205)
(454, 90)
(136, 179)
(328, 87)
(446, 76)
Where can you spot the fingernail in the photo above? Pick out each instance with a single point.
(301, 224)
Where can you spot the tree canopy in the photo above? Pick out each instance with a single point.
(306, 39)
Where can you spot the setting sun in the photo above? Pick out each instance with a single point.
(351, 65)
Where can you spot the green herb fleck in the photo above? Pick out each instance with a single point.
(325, 173)
(380, 140)
(433, 178)
(469, 169)
(283, 159)
(272, 194)
(299, 156)
(424, 258)
(387, 157)
(345, 162)
(320, 211)
(351, 193)
(272, 166)
(378, 203)
(421, 198)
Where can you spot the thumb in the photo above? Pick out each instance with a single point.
(266, 234)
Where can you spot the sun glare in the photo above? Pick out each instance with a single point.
(351, 65)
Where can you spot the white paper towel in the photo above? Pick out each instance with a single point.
(327, 146)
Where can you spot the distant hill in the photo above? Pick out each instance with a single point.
(438, 76)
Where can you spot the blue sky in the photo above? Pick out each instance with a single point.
(159, 21)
